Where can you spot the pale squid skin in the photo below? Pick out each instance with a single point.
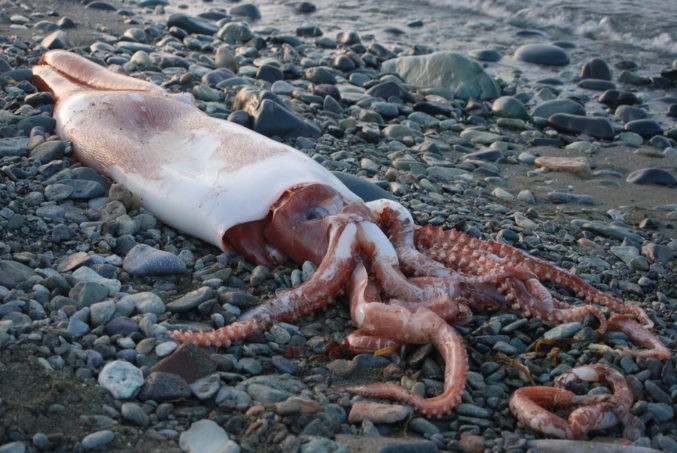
(169, 154)
(227, 185)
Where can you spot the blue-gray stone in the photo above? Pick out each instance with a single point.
(97, 440)
(145, 302)
(644, 127)
(273, 119)
(596, 69)
(363, 188)
(267, 395)
(233, 32)
(45, 122)
(385, 444)
(133, 412)
(245, 9)
(542, 54)
(491, 155)
(596, 85)
(451, 71)
(595, 127)
(191, 300)
(485, 55)
(656, 176)
(662, 412)
(121, 325)
(231, 396)
(567, 330)
(161, 386)
(13, 273)
(13, 146)
(192, 24)
(48, 151)
(104, 6)
(143, 260)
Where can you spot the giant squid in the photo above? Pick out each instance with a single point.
(236, 189)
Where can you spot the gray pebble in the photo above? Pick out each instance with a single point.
(161, 386)
(134, 413)
(97, 440)
(143, 260)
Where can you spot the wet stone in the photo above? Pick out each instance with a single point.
(657, 252)
(235, 32)
(57, 39)
(378, 412)
(206, 436)
(97, 440)
(383, 444)
(161, 386)
(645, 128)
(267, 395)
(661, 411)
(628, 113)
(656, 176)
(272, 119)
(614, 98)
(192, 24)
(246, 9)
(596, 85)
(191, 300)
(13, 146)
(12, 273)
(188, 361)
(133, 413)
(143, 260)
(121, 379)
(596, 69)
(595, 127)
(509, 107)
(206, 387)
(567, 330)
(87, 293)
(549, 108)
(567, 197)
(121, 325)
(542, 54)
(48, 151)
(485, 55)
(232, 397)
(578, 167)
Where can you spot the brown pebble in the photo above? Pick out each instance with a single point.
(188, 361)
(576, 166)
(472, 443)
(378, 412)
(296, 405)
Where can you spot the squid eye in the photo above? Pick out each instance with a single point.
(317, 212)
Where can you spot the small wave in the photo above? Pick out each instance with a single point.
(631, 22)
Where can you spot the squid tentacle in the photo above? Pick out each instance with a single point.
(398, 224)
(535, 300)
(327, 281)
(596, 411)
(640, 335)
(422, 326)
(452, 247)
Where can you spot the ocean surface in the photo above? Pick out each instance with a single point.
(625, 26)
(646, 24)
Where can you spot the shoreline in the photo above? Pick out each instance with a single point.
(69, 307)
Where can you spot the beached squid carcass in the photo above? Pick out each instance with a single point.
(231, 187)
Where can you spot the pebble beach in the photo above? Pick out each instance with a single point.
(560, 141)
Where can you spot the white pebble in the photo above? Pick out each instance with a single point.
(121, 379)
